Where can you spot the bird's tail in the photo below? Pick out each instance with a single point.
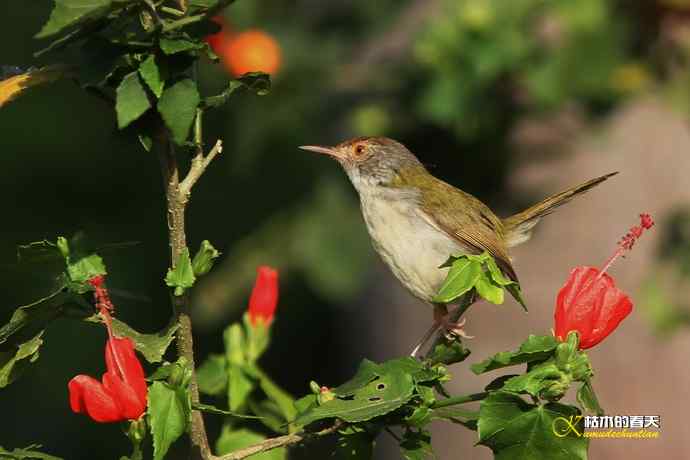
(518, 228)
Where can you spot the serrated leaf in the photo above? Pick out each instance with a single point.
(131, 100)
(85, 268)
(204, 258)
(515, 429)
(535, 348)
(388, 390)
(416, 445)
(489, 290)
(256, 82)
(13, 363)
(151, 346)
(70, 12)
(168, 416)
(182, 276)
(178, 45)
(26, 453)
(461, 278)
(231, 440)
(178, 106)
(588, 399)
(212, 376)
(151, 75)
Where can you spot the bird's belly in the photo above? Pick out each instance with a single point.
(409, 245)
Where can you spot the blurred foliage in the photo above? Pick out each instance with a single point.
(664, 294)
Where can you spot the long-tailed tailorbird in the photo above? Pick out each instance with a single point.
(417, 221)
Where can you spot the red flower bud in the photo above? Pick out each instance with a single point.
(591, 305)
(589, 302)
(122, 393)
(264, 298)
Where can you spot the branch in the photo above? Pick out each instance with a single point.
(280, 441)
(176, 204)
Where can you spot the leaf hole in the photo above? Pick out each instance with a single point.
(374, 399)
(381, 386)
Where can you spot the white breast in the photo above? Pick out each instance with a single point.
(407, 241)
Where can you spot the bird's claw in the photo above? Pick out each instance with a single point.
(453, 330)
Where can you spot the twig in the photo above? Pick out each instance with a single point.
(466, 302)
(280, 441)
(199, 162)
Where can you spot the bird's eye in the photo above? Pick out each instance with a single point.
(359, 149)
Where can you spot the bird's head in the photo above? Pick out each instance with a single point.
(371, 161)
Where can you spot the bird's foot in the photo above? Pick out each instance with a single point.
(450, 328)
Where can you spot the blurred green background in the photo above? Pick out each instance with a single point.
(469, 85)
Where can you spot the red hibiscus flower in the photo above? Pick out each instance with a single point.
(590, 303)
(121, 394)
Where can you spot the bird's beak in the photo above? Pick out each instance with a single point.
(330, 151)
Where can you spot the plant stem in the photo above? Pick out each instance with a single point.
(459, 400)
(280, 441)
(176, 205)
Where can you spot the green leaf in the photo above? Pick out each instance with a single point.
(212, 376)
(282, 398)
(131, 100)
(588, 399)
(182, 276)
(85, 268)
(151, 75)
(13, 363)
(168, 416)
(178, 106)
(447, 352)
(535, 348)
(270, 414)
(178, 45)
(514, 429)
(462, 276)
(99, 60)
(29, 320)
(388, 389)
(356, 446)
(151, 346)
(26, 453)
(416, 445)
(256, 82)
(204, 258)
(70, 12)
(489, 290)
(545, 377)
(231, 440)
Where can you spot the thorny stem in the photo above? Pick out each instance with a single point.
(177, 195)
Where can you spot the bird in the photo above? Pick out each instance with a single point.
(417, 221)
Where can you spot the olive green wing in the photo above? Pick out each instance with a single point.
(468, 220)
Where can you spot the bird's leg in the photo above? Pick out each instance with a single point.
(451, 328)
(441, 321)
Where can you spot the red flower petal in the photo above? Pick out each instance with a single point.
(264, 298)
(88, 396)
(122, 394)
